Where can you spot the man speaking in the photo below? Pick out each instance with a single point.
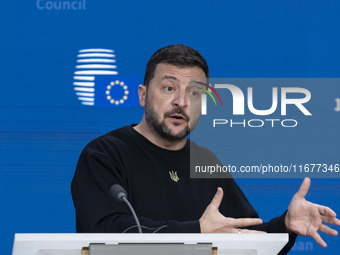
(151, 162)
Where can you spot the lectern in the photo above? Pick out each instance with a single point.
(155, 244)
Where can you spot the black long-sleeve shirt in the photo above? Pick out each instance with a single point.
(125, 157)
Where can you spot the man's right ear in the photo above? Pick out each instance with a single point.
(142, 95)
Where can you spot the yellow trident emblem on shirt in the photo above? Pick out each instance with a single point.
(173, 176)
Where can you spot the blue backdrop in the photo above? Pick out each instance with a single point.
(45, 123)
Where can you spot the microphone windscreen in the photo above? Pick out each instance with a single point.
(118, 192)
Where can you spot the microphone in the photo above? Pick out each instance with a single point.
(119, 193)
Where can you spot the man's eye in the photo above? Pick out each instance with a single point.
(194, 93)
(168, 89)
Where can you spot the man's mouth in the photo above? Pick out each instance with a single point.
(177, 116)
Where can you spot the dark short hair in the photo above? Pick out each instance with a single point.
(178, 55)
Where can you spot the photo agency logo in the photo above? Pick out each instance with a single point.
(242, 104)
(64, 5)
(337, 105)
(96, 83)
(204, 97)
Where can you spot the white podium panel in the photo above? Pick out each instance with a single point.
(71, 244)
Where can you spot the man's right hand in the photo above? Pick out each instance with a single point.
(212, 221)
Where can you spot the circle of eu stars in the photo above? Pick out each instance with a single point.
(108, 92)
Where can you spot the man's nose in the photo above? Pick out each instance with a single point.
(181, 99)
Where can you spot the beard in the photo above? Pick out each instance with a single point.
(161, 128)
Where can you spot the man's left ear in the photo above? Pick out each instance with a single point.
(142, 94)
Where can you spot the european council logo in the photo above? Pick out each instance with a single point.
(96, 81)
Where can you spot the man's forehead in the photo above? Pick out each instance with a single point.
(168, 71)
(192, 81)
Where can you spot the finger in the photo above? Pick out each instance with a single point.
(331, 220)
(303, 188)
(319, 240)
(245, 222)
(247, 231)
(327, 230)
(216, 201)
(326, 211)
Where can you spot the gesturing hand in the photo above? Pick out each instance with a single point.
(306, 218)
(212, 221)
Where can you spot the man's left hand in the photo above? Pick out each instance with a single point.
(305, 218)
